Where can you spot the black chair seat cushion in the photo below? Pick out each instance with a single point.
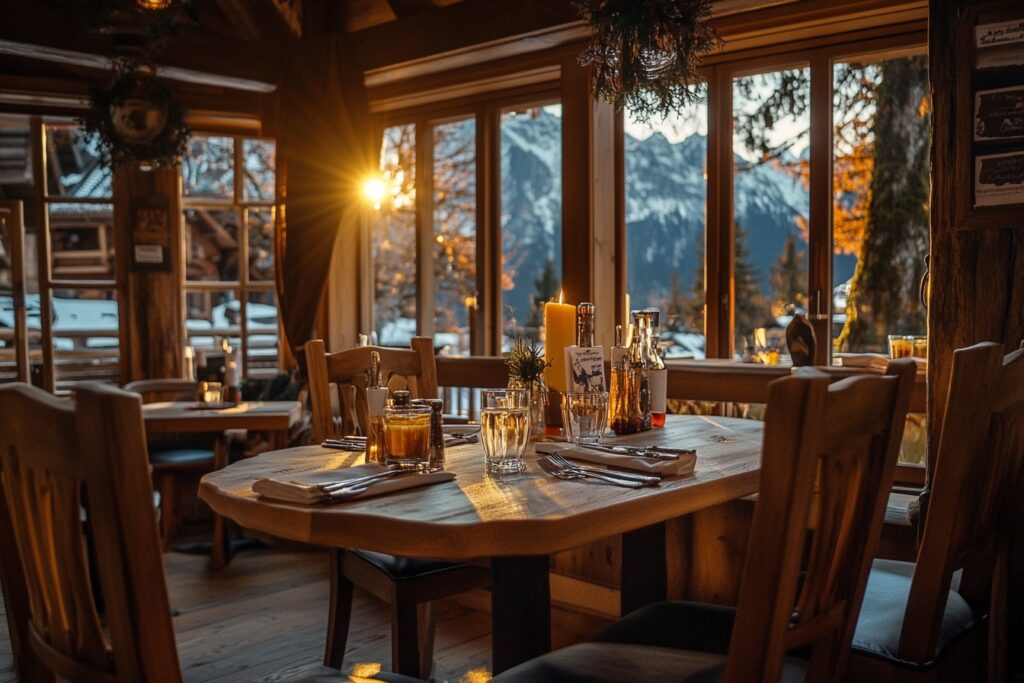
(181, 456)
(680, 625)
(622, 663)
(404, 568)
(885, 602)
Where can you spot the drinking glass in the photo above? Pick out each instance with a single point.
(585, 415)
(920, 346)
(504, 429)
(210, 392)
(900, 346)
(407, 437)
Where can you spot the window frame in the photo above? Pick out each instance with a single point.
(820, 59)
(243, 286)
(486, 111)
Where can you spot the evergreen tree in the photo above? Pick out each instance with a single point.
(789, 277)
(695, 319)
(751, 311)
(546, 288)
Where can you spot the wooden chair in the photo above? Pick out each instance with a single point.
(177, 456)
(828, 462)
(917, 622)
(55, 457)
(408, 585)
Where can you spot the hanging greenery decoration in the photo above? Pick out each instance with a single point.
(136, 120)
(646, 52)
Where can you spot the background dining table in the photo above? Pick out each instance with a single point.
(515, 521)
(274, 418)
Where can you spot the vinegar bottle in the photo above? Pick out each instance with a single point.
(376, 398)
(657, 374)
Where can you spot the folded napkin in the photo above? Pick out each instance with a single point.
(682, 466)
(302, 487)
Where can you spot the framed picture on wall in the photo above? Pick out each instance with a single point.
(999, 114)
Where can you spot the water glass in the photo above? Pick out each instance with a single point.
(504, 429)
(585, 415)
(407, 437)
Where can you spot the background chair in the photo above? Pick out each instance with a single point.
(408, 585)
(917, 623)
(175, 457)
(56, 456)
(828, 462)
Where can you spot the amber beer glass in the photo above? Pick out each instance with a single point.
(407, 437)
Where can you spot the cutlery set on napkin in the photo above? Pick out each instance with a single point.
(348, 483)
(358, 443)
(654, 462)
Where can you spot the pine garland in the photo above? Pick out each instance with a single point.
(646, 52)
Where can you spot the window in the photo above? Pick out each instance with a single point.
(394, 240)
(454, 245)
(666, 183)
(82, 287)
(228, 230)
(531, 217)
(771, 147)
(880, 211)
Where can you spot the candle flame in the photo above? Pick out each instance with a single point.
(561, 296)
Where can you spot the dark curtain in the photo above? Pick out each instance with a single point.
(327, 144)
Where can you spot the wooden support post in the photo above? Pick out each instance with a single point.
(520, 610)
(644, 572)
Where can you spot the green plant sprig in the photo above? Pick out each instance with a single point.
(526, 361)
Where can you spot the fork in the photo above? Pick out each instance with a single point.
(359, 481)
(561, 461)
(567, 474)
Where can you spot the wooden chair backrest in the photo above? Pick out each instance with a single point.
(980, 451)
(57, 456)
(827, 465)
(413, 368)
(153, 390)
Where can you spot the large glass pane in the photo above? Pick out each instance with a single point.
(665, 207)
(73, 166)
(85, 335)
(880, 212)
(531, 216)
(454, 234)
(207, 169)
(211, 242)
(259, 170)
(261, 244)
(82, 241)
(771, 146)
(211, 317)
(261, 332)
(394, 239)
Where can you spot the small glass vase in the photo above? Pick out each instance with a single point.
(538, 404)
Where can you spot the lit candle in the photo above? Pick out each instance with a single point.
(559, 332)
(625, 315)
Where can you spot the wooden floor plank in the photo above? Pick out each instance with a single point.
(263, 619)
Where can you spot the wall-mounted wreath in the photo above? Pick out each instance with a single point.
(136, 120)
(646, 52)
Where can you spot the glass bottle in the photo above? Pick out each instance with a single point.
(624, 415)
(376, 399)
(657, 374)
(640, 361)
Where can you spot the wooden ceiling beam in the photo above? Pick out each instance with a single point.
(43, 32)
(457, 26)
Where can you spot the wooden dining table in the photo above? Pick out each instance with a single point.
(515, 521)
(274, 418)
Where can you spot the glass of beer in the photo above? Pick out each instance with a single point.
(407, 437)
(504, 429)
(900, 346)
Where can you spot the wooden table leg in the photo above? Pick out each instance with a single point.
(520, 610)
(220, 553)
(644, 574)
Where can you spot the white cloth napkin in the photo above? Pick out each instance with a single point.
(682, 466)
(302, 488)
